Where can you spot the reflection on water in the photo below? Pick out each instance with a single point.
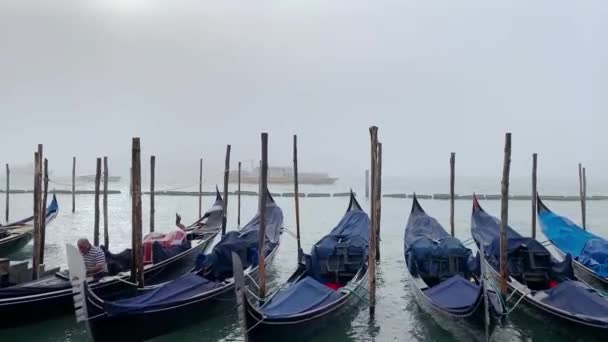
(397, 318)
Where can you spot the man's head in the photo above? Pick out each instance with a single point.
(83, 245)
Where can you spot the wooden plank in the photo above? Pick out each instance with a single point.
(452, 177)
(97, 185)
(43, 211)
(534, 193)
(296, 192)
(106, 231)
(378, 196)
(137, 267)
(504, 215)
(262, 213)
(152, 166)
(226, 177)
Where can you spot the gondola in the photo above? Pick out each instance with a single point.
(51, 294)
(536, 279)
(327, 282)
(16, 235)
(442, 276)
(589, 251)
(186, 300)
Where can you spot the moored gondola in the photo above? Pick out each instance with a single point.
(329, 281)
(589, 252)
(16, 235)
(442, 276)
(186, 300)
(50, 295)
(537, 280)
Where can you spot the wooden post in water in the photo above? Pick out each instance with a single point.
(585, 198)
(152, 166)
(296, 193)
(106, 231)
(504, 214)
(73, 184)
(367, 184)
(200, 188)
(452, 181)
(96, 222)
(238, 215)
(8, 190)
(262, 212)
(378, 200)
(373, 229)
(226, 175)
(36, 251)
(137, 267)
(580, 190)
(534, 193)
(43, 210)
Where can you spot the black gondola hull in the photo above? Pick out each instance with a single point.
(26, 309)
(566, 320)
(301, 327)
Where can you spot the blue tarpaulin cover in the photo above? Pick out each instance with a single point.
(348, 240)
(244, 243)
(455, 293)
(428, 247)
(172, 293)
(587, 248)
(305, 295)
(579, 299)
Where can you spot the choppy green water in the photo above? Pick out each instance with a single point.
(398, 318)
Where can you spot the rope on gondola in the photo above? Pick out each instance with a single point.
(290, 233)
(518, 301)
(256, 324)
(468, 242)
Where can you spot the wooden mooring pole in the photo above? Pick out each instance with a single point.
(504, 215)
(585, 198)
(200, 188)
(152, 166)
(373, 229)
(263, 195)
(137, 266)
(367, 184)
(8, 190)
(36, 251)
(225, 202)
(534, 193)
(73, 184)
(378, 200)
(43, 210)
(582, 196)
(106, 232)
(296, 193)
(452, 181)
(96, 222)
(238, 215)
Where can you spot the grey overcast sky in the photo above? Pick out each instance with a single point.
(188, 77)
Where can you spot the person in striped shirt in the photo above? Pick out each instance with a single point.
(94, 259)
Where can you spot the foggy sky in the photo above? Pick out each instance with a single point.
(189, 77)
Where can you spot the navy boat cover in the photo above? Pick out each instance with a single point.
(170, 294)
(305, 295)
(346, 244)
(428, 248)
(218, 264)
(578, 299)
(455, 293)
(587, 248)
